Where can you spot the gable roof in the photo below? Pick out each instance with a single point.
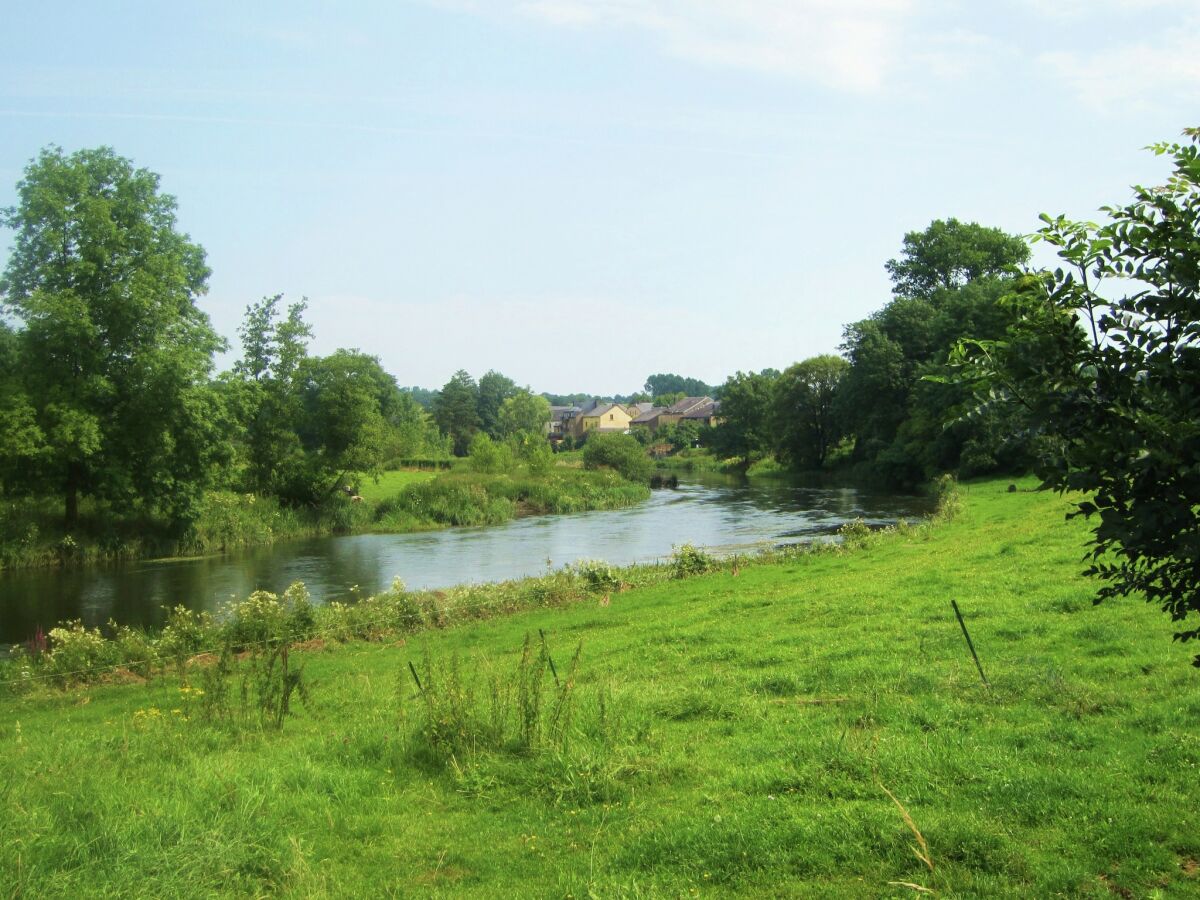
(704, 410)
(649, 415)
(686, 405)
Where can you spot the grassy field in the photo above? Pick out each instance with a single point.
(391, 483)
(742, 733)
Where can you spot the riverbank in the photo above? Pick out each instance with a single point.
(32, 536)
(740, 731)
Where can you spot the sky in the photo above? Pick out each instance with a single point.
(580, 193)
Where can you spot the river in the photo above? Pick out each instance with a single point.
(724, 514)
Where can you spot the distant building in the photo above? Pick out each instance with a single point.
(602, 417)
(702, 410)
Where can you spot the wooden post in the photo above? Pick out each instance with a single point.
(970, 646)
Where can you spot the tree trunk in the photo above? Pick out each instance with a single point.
(71, 516)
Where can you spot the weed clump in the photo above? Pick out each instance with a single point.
(688, 561)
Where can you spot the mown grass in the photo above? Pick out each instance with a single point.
(733, 733)
(387, 484)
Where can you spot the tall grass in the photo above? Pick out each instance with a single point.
(473, 498)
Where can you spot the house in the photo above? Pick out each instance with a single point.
(559, 425)
(701, 410)
(600, 417)
(707, 413)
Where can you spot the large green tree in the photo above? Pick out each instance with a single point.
(949, 283)
(268, 396)
(115, 352)
(494, 389)
(524, 412)
(456, 410)
(668, 383)
(805, 397)
(1103, 361)
(746, 413)
(949, 254)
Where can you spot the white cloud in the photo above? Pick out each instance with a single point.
(846, 44)
(1162, 67)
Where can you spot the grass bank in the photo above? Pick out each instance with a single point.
(741, 731)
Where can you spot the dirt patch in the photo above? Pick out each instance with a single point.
(1190, 868)
(313, 644)
(1116, 888)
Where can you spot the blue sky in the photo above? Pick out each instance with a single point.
(579, 193)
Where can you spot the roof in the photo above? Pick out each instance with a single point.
(686, 405)
(649, 415)
(704, 411)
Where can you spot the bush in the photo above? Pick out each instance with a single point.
(77, 654)
(690, 560)
(488, 457)
(621, 452)
(598, 575)
(185, 634)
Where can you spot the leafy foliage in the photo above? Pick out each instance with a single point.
(1115, 398)
(949, 254)
(907, 422)
(114, 354)
(621, 452)
(456, 409)
(746, 400)
(667, 383)
(808, 426)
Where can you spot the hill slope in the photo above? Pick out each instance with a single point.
(722, 734)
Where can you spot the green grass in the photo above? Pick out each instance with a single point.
(391, 483)
(750, 726)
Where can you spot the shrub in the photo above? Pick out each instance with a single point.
(488, 457)
(855, 534)
(621, 452)
(597, 575)
(264, 618)
(186, 633)
(690, 560)
(78, 653)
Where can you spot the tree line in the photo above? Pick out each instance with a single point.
(876, 407)
(107, 388)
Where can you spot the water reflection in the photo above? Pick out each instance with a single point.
(723, 513)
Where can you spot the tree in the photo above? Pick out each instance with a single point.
(949, 254)
(950, 284)
(494, 389)
(343, 428)
(269, 397)
(1111, 385)
(665, 383)
(524, 412)
(115, 353)
(456, 410)
(680, 435)
(746, 413)
(807, 425)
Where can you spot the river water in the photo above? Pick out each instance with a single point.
(724, 514)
